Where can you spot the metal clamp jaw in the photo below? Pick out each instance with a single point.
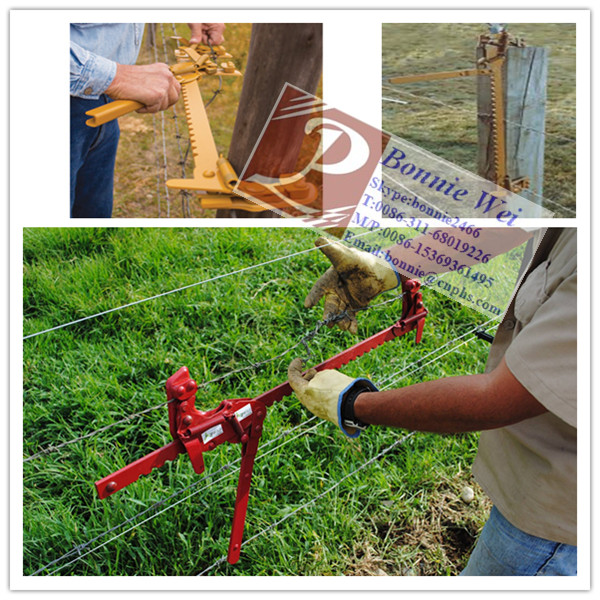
(194, 432)
(236, 421)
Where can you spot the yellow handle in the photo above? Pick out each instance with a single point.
(112, 110)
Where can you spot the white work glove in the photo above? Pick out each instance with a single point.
(330, 395)
(353, 280)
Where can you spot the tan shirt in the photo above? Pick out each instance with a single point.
(529, 470)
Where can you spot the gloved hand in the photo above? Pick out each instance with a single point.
(330, 395)
(355, 278)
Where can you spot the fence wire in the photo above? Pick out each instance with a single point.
(514, 124)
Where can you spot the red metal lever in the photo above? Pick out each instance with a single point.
(240, 420)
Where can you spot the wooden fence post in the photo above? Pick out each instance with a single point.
(525, 75)
(279, 53)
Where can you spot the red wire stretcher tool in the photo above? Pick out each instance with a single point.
(240, 420)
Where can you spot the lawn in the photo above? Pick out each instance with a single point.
(320, 504)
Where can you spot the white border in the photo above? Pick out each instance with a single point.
(38, 191)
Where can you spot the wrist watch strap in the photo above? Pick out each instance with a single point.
(360, 386)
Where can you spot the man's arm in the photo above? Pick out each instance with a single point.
(90, 74)
(152, 85)
(452, 404)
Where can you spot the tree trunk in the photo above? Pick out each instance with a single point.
(279, 53)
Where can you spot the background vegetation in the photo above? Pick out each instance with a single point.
(317, 505)
(443, 116)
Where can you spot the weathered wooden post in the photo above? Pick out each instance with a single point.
(524, 79)
(279, 53)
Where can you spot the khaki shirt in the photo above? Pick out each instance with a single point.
(529, 470)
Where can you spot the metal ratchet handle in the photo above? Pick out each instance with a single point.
(335, 362)
(143, 466)
(112, 110)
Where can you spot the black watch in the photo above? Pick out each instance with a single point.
(359, 386)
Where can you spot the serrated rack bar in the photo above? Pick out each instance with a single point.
(240, 420)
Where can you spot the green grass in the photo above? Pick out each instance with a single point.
(400, 515)
(449, 130)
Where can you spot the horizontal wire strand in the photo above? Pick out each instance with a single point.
(229, 465)
(438, 349)
(189, 286)
(395, 381)
(453, 107)
(375, 458)
(79, 547)
(162, 294)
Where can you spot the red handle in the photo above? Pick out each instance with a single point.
(244, 482)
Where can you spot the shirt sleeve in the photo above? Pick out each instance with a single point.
(543, 356)
(91, 74)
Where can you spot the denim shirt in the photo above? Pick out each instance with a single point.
(96, 48)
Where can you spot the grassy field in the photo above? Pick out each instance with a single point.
(445, 121)
(317, 505)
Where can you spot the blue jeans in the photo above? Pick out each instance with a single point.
(93, 154)
(502, 549)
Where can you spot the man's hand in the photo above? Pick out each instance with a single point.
(355, 278)
(152, 85)
(207, 33)
(328, 394)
